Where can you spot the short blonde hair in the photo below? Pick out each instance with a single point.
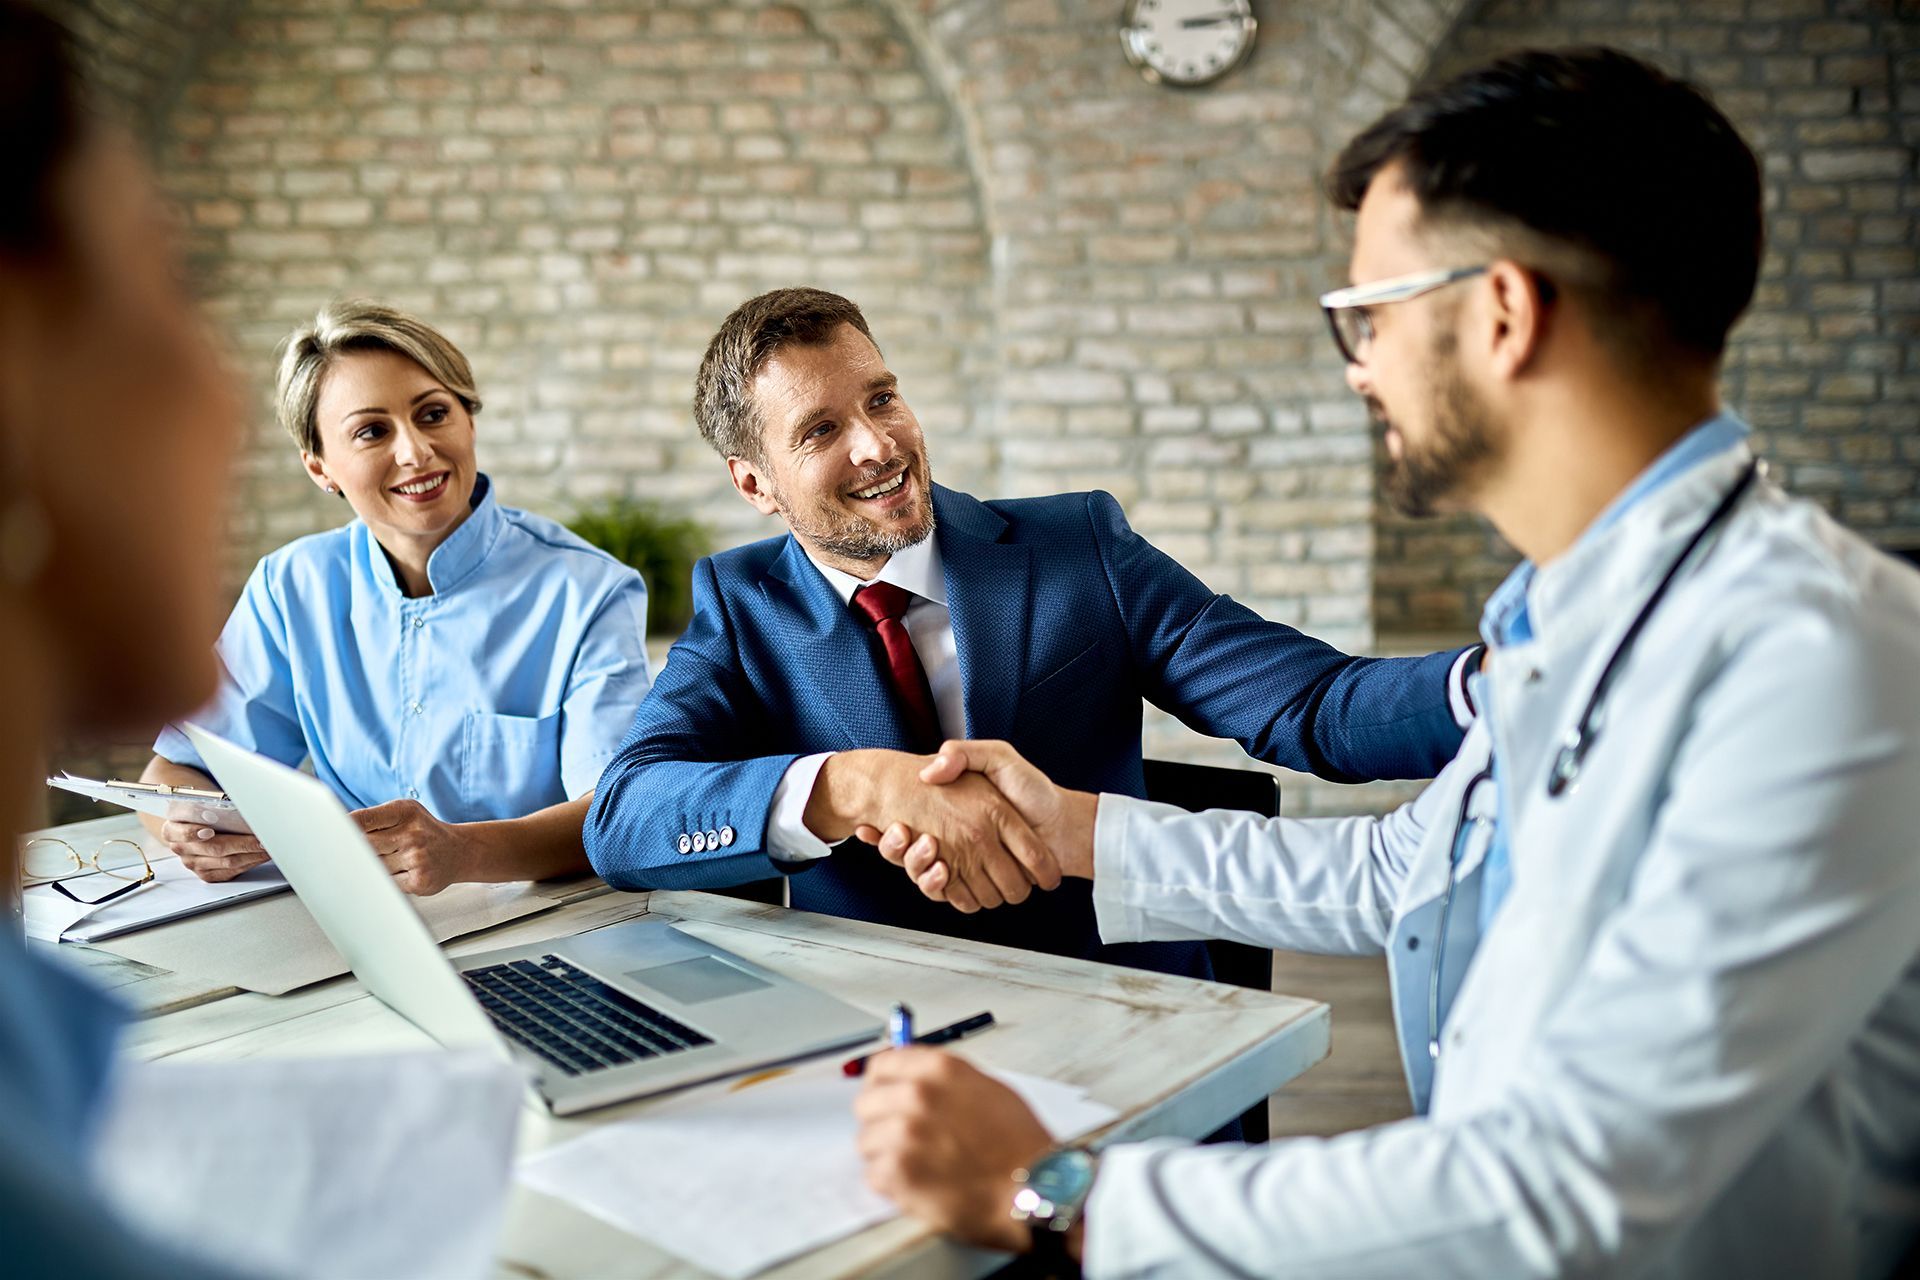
(358, 325)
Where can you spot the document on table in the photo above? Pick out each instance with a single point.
(175, 894)
(276, 946)
(736, 1179)
(351, 1167)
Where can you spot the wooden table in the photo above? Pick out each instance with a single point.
(1174, 1056)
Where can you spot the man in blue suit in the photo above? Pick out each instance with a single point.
(820, 666)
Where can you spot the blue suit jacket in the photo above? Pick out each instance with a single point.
(1064, 618)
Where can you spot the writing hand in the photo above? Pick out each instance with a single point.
(942, 1140)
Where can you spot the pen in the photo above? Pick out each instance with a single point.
(899, 1026)
(945, 1035)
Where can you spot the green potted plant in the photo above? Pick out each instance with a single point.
(662, 548)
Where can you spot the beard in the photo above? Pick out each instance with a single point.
(1428, 476)
(844, 533)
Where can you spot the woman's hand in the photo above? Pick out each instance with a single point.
(212, 855)
(424, 854)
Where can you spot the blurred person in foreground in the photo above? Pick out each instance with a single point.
(117, 426)
(1654, 935)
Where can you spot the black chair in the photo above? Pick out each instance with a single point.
(771, 893)
(1195, 787)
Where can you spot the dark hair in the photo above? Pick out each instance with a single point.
(1635, 171)
(722, 396)
(41, 122)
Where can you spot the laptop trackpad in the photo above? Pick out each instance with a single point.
(697, 980)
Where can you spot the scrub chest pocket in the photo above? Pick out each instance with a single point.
(510, 765)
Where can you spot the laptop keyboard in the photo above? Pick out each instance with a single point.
(572, 1019)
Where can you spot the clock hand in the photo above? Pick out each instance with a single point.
(1213, 20)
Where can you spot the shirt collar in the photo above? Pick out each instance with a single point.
(462, 552)
(917, 569)
(1507, 619)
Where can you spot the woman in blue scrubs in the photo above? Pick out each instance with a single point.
(457, 670)
(117, 425)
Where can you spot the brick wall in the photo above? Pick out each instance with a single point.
(578, 196)
(1827, 364)
(138, 53)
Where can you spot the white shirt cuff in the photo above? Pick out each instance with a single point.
(1116, 921)
(788, 839)
(1458, 699)
(1126, 1222)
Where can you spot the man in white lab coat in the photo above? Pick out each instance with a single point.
(1654, 935)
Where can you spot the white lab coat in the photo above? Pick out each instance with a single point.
(1689, 1044)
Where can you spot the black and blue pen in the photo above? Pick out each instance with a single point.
(900, 1034)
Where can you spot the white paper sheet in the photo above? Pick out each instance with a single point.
(351, 1167)
(175, 894)
(737, 1179)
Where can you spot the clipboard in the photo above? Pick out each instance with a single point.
(214, 809)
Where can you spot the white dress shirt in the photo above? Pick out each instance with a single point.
(929, 624)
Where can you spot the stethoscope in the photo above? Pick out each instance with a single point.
(1572, 755)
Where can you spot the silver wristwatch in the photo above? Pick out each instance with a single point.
(1050, 1195)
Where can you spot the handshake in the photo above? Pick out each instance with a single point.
(974, 825)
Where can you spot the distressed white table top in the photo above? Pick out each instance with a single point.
(1172, 1055)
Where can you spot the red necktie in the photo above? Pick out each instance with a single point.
(885, 605)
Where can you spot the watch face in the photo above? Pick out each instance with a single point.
(1062, 1178)
(1187, 42)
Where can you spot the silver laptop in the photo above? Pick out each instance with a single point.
(618, 1013)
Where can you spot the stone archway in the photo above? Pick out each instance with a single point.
(1155, 259)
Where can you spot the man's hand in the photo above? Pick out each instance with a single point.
(990, 855)
(943, 1140)
(212, 855)
(1061, 818)
(424, 854)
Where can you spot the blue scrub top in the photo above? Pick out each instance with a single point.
(503, 692)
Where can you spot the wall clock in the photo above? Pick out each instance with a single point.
(1187, 42)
